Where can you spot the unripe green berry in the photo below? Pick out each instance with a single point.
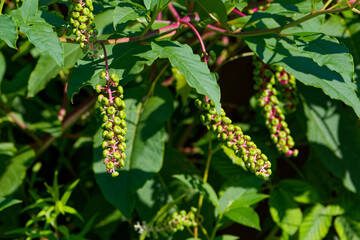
(82, 19)
(111, 110)
(115, 174)
(117, 155)
(110, 165)
(86, 11)
(122, 114)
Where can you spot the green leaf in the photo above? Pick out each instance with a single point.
(46, 68)
(29, 9)
(13, 170)
(43, 37)
(247, 200)
(245, 216)
(316, 224)
(345, 29)
(284, 211)
(346, 228)
(2, 68)
(8, 202)
(215, 9)
(300, 191)
(65, 197)
(151, 4)
(126, 60)
(231, 194)
(196, 184)
(227, 237)
(327, 51)
(196, 72)
(126, 12)
(332, 136)
(145, 148)
(152, 197)
(7, 148)
(283, 51)
(8, 30)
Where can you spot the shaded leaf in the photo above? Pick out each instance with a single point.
(8, 31)
(316, 224)
(126, 12)
(8, 202)
(46, 68)
(145, 148)
(28, 9)
(196, 72)
(195, 183)
(346, 228)
(300, 191)
(284, 211)
(215, 9)
(13, 170)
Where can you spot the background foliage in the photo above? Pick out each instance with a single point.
(53, 183)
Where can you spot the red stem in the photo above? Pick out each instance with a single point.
(174, 12)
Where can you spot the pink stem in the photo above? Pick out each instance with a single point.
(238, 12)
(200, 39)
(174, 12)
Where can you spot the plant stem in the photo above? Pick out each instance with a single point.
(154, 83)
(1, 6)
(325, 5)
(191, 7)
(205, 178)
(174, 12)
(200, 40)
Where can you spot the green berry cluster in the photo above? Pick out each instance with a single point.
(114, 125)
(175, 222)
(81, 19)
(235, 139)
(266, 82)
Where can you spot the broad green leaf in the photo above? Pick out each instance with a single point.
(231, 194)
(345, 29)
(126, 12)
(227, 237)
(284, 211)
(2, 68)
(215, 9)
(346, 228)
(28, 9)
(8, 30)
(152, 197)
(283, 51)
(151, 4)
(196, 72)
(126, 60)
(43, 37)
(145, 148)
(300, 191)
(334, 210)
(316, 224)
(332, 133)
(8, 202)
(13, 170)
(245, 216)
(246, 200)
(7, 148)
(196, 184)
(327, 51)
(46, 68)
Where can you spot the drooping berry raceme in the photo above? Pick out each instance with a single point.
(81, 19)
(267, 97)
(114, 125)
(244, 148)
(171, 224)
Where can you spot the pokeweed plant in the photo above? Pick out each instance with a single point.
(122, 98)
